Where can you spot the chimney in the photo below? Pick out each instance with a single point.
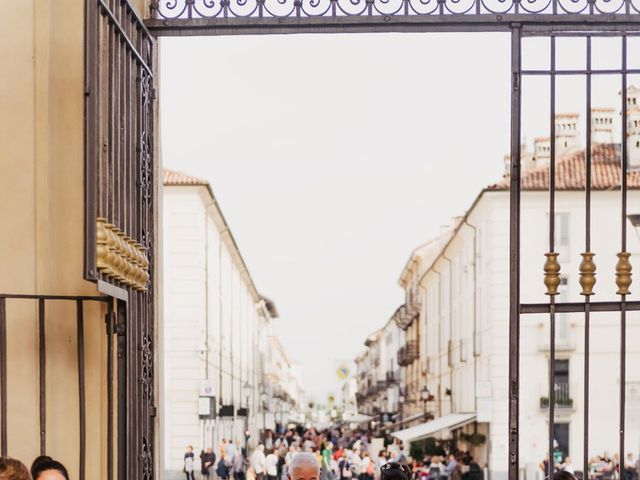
(633, 127)
(602, 125)
(566, 133)
(541, 151)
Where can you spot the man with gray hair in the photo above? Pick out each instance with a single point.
(304, 467)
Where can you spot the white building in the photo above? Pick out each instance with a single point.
(465, 316)
(219, 346)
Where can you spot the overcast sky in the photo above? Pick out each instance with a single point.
(334, 156)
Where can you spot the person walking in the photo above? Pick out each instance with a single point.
(237, 466)
(366, 467)
(258, 462)
(208, 460)
(271, 465)
(189, 463)
(344, 467)
(223, 470)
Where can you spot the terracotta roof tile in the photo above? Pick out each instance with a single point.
(171, 177)
(571, 172)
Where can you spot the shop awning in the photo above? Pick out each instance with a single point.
(424, 430)
(356, 418)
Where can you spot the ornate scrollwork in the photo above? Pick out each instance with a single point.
(146, 375)
(146, 458)
(188, 9)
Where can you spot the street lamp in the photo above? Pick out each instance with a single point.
(425, 395)
(246, 392)
(263, 401)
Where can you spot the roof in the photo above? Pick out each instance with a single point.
(571, 172)
(171, 177)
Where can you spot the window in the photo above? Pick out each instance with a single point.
(561, 437)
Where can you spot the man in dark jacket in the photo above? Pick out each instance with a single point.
(208, 460)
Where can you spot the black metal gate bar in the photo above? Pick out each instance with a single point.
(81, 389)
(123, 437)
(623, 250)
(552, 254)
(42, 375)
(514, 256)
(587, 249)
(579, 307)
(391, 23)
(3, 376)
(110, 332)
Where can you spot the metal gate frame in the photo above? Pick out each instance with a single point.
(521, 18)
(121, 216)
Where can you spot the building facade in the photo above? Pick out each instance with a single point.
(464, 313)
(225, 372)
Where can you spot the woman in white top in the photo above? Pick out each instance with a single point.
(272, 466)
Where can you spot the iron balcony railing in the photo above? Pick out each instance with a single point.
(391, 377)
(86, 440)
(562, 398)
(408, 353)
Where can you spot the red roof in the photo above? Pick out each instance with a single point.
(571, 172)
(171, 177)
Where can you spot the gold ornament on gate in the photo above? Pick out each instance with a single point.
(120, 257)
(587, 273)
(551, 273)
(623, 273)
(102, 247)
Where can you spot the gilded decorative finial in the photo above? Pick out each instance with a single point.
(102, 248)
(551, 273)
(587, 273)
(623, 273)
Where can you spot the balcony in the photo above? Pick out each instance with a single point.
(408, 354)
(405, 315)
(563, 400)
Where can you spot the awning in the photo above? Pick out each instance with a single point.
(424, 430)
(356, 418)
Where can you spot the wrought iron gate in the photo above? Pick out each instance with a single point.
(120, 168)
(121, 212)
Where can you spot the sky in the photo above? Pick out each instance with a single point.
(334, 156)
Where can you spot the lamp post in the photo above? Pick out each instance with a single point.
(401, 399)
(425, 395)
(246, 392)
(263, 401)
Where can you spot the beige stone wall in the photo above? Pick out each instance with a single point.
(41, 228)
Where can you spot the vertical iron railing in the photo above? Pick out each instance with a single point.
(514, 253)
(121, 212)
(42, 301)
(552, 266)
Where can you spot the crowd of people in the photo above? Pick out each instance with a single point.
(340, 455)
(601, 467)
(42, 468)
